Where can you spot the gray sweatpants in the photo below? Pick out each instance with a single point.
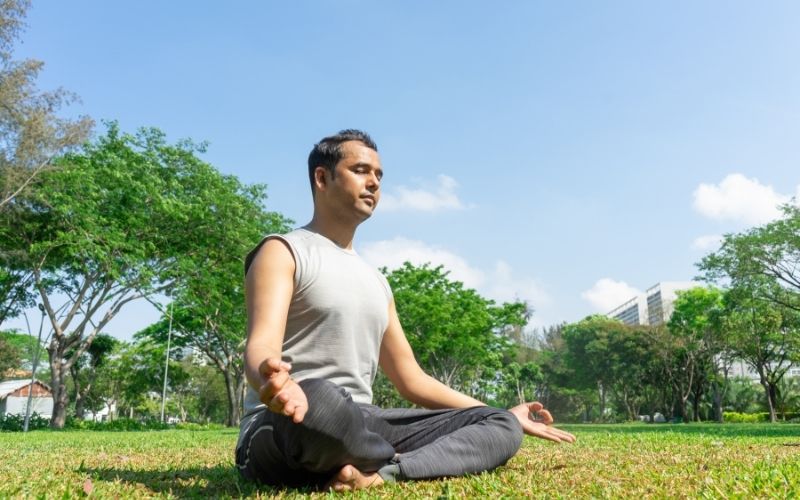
(410, 443)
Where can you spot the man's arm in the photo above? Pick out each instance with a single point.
(398, 362)
(268, 290)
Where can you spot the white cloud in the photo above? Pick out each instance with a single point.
(442, 197)
(393, 253)
(505, 286)
(606, 294)
(740, 199)
(707, 242)
(501, 284)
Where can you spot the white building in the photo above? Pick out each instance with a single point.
(653, 307)
(14, 398)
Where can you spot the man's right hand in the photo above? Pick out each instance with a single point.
(280, 393)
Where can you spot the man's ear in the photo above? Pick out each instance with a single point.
(320, 177)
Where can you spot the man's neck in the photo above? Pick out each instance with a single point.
(341, 234)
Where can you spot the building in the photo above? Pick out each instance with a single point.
(655, 306)
(14, 398)
(652, 307)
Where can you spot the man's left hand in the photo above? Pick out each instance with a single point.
(537, 422)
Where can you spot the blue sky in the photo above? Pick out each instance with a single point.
(567, 154)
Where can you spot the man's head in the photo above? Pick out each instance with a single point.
(328, 152)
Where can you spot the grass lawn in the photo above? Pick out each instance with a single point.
(706, 460)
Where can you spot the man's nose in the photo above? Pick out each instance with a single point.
(373, 182)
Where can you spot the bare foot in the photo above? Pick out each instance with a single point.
(350, 478)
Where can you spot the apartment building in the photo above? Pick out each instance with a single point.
(654, 306)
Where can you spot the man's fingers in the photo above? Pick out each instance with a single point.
(536, 407)
(542, 432)
(299, 413)
(545, 416)
(273, 365)
(273, 386)
(564, 435)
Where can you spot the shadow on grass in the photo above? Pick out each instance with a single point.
(709, 429)
(197, 482)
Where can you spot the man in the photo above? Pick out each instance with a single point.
(320, 321)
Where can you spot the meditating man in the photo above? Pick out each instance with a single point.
(320, 322)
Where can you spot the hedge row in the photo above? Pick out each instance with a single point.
(751, 418)
(15, 423)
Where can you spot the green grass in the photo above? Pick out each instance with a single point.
(698, 460)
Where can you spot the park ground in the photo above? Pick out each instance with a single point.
(635, 460)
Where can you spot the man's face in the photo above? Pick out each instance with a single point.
(356, 187)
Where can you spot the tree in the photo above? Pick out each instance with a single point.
(9, 356)
(31, 134)
(84, 370)
(589, 357)
(25, 346)
(131, 379)
(765, 335)
(123, 219)
(768, 253)
(518, 384)
(458, 336)
(696, 320)
(208, 310)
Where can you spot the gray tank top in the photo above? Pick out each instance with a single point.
(337, 316)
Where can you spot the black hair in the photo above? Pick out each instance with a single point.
(327, 153)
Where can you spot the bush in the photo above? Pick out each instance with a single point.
(744, 418)
(16, 423)
(129, 424)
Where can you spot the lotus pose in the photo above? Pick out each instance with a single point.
(320, 322)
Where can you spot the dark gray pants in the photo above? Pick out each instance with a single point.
(336, 431)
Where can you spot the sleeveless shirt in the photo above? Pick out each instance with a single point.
(337, 316)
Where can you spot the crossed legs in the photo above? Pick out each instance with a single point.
(344, 444)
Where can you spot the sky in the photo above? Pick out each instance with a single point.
(569, 154)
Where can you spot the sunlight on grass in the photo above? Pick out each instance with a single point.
(607, 461)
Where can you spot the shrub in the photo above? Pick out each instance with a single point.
(16, 423)
(744, 418)
(119, 424)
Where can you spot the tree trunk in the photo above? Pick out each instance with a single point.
(768, 391)
(682, 407)
(240, 394)
(232, 388)
(716, 394)
(696, 405)
(58, 384)
(771, 392)
(602, 398)
(77, 393)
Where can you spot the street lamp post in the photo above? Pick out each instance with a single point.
(33, 370)
(166, 365)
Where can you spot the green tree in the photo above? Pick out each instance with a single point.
(518, 384)
(209, 311)
(765, 335)
(125, 218)
(84, 372)
(9, 356)
(769, 253)
(556, 390)
(24, 344)
(697, 322)
(588, 356)
(31, 134)
(458, 336)
(131, 379)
